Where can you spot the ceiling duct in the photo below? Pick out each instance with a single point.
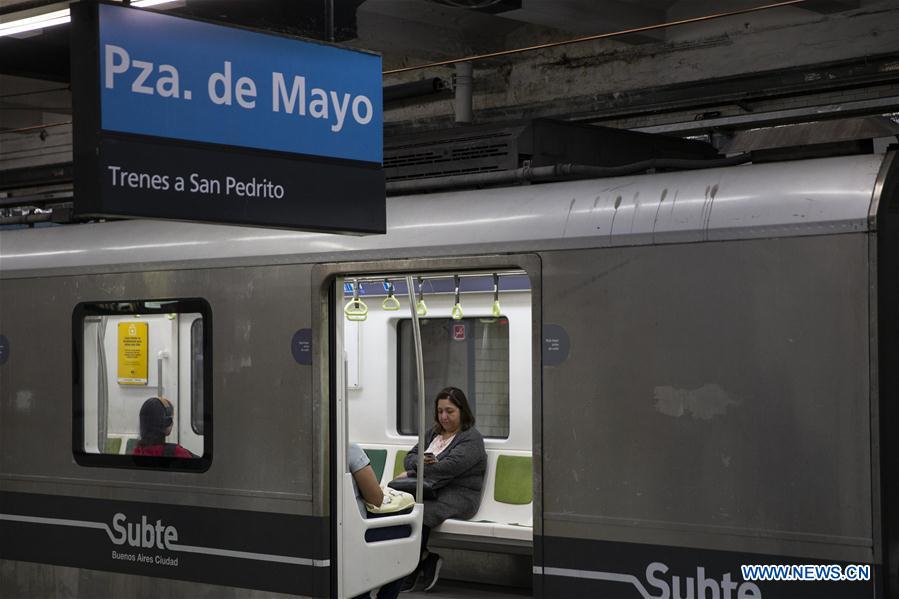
(856, 135)
(539, 142)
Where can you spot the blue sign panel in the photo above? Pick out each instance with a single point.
(178, 78)
(182, 119)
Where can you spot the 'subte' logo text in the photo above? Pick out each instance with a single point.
(142, 534)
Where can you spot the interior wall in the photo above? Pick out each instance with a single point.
(372, 405)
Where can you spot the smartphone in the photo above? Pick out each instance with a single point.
(430, 455)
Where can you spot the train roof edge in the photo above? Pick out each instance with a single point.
(786, 199)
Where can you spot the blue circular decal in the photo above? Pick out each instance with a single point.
(301, 346)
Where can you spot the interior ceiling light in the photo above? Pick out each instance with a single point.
(56, 17)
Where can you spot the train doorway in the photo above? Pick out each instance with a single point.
(477, 331)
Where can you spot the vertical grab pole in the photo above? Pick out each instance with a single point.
(160, 373)
(420, 373)
(102, 387)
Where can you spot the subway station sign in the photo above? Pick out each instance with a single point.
(188, 120)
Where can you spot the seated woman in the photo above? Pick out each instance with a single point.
(455, 462)
(157, 416)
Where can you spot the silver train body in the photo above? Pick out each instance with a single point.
(713, 381)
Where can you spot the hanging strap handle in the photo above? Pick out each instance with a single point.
(495, 310)
(355, 309)
(457, 307)
(390, 302)
(420, 308)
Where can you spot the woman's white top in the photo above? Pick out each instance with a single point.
(439, 444)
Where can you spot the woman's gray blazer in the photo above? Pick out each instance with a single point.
(457, 476)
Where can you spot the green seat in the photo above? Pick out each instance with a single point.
(113, 445)
(514, 480)
(378, 459)
(398, 462)
(129, 448)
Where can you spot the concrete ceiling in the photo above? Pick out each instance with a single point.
(558, 82)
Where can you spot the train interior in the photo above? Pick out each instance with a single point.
(476, 334)
(131, 356)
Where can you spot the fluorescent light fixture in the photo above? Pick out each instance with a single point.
(57, 17)
(47, 19)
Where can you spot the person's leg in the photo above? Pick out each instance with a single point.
(430, 562)
(408, 583)
(425, 535)
(430, 570)
(391, 590)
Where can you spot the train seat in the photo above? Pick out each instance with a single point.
(398, 463)
(378, 459)
(506, 512)
(119, 444)
(129, 447)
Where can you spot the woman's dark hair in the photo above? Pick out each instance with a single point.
(459, 400)
(156, 417)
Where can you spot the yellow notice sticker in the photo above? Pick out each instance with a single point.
(133, 340)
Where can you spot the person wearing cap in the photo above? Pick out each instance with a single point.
(157, 416)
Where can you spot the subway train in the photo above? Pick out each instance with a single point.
(679, 376)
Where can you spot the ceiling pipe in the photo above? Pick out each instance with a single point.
(414, 89)
(462, 84)
(26, 219)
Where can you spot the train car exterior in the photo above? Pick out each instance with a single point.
(713, 375)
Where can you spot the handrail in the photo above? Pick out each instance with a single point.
(102, 386)
(420, 373)
(161, 356)
(434, 277)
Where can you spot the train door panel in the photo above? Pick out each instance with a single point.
(687, 372)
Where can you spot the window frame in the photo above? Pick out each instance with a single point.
(117, 307)
(198, 425)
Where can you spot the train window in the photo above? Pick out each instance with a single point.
(142, 395)
(472, 354)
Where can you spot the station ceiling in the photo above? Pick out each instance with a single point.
(838, 38)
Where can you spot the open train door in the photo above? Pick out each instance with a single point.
(360, 565)
(369, 551)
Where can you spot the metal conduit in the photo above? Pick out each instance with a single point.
(555, 172)
(26, 219)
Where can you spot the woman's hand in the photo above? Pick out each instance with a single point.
(429, 459)
(403, 474)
